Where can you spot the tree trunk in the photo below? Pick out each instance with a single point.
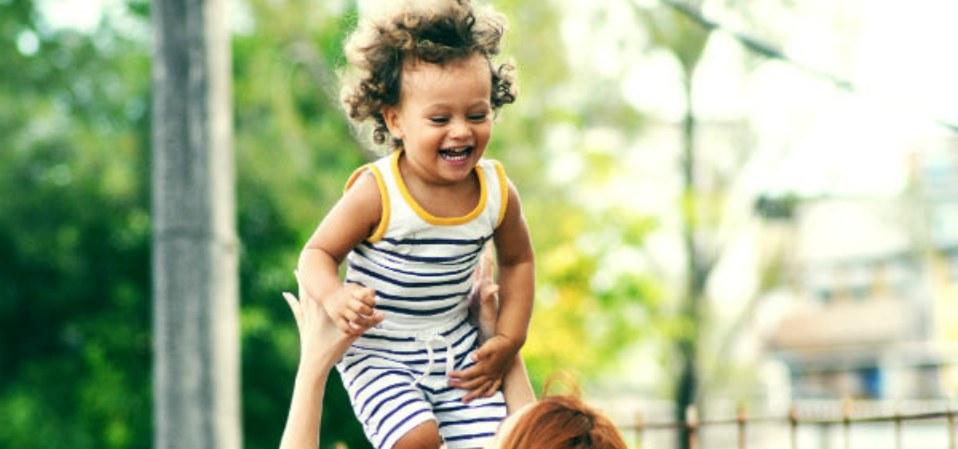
(195, 289)
(686, 389)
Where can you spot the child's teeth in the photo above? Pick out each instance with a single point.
(455, 155)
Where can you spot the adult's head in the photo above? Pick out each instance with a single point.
(558, 422)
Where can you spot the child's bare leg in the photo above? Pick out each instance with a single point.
(423, 436)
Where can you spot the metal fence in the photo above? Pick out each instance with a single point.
(852, 426)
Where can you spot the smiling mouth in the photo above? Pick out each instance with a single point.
(457, 154)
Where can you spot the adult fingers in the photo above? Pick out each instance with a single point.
(486, 263)
(293, 306)
(479, 273)
(489, 293)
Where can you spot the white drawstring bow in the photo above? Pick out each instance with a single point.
(428, 339)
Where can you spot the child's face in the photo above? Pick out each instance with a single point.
(444, 117)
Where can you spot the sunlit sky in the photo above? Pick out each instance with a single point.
(819, 139)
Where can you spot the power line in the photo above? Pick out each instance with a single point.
(768, 51)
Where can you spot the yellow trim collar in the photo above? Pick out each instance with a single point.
(430, 218)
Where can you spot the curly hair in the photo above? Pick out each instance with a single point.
(444, 32)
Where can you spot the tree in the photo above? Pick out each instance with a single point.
(704, 213)
(196, 329)
(74, 235)
(687, 41)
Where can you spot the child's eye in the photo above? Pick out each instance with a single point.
(477, 117)
(438, 119)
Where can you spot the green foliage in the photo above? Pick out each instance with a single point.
(75, 344)
(74, 237)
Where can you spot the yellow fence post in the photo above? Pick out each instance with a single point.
(742, 418)
(638, 430)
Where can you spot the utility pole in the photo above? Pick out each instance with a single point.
(196, 380)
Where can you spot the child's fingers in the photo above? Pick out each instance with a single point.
(362, 322)
(479, 354)
(360, 308)
(494, 388)
(352, 329)
(364, 294)
(470, 384)
(466, 374)
(343, 325)
(478, 392)
(351, 316)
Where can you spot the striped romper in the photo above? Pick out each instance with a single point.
(421, 267)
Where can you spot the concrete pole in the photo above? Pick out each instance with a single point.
(196, 366)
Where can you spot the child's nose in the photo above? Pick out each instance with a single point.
(459, 129)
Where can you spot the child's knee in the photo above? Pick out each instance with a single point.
(423, 436)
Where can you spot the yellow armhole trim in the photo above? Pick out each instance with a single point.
(430, 218)
(503, 191)
(383, 195)
(354, 177)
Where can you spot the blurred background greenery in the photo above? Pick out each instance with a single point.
(626, 259)
(75, 229)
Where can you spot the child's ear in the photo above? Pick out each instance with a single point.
(393, 123)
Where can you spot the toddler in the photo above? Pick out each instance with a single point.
(412, 226)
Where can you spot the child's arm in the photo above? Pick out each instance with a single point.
(516, 294)
(517, 273)
(485, 310)
(350, 221)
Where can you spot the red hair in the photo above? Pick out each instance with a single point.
(563, 422)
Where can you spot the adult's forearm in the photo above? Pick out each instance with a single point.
(306, 410)
(516, 386)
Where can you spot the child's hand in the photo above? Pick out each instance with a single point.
(484, 303)
(485, 377)
(319, 339)
(351, 308)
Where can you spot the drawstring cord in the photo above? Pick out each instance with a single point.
(428, 339)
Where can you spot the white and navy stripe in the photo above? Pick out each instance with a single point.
(421, 268)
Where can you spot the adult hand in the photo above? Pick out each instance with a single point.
(321, 345)
(320, 340)
(484, 304)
